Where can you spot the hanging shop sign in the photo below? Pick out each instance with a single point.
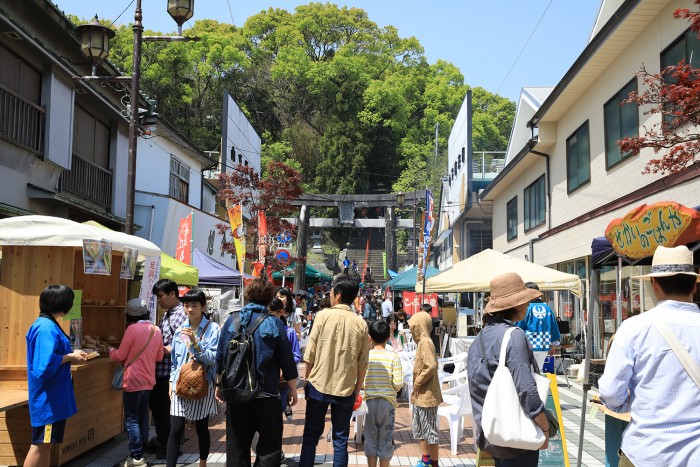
(412, 302)
(665, 223)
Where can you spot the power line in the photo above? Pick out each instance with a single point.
(498, 37)
(230, 12)
(524, 45)
(120, 14)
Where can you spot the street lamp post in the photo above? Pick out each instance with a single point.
(415, 239)
(94, 44)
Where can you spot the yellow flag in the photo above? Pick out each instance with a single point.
(235, 216)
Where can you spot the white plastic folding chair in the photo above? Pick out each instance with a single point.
(456, 412)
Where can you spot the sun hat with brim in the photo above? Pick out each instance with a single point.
(670, 261)
(508, 291)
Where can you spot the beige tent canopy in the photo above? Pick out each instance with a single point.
(474, 274)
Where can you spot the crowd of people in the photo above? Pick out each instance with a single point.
(352, 348)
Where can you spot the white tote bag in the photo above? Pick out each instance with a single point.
(503, 420)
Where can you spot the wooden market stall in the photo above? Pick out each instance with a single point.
(38, 251)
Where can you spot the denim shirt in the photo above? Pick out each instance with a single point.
(520, 361)
(273, 351)
(206, 354)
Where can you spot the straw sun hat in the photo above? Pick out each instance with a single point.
(671, 261)
(508, 291)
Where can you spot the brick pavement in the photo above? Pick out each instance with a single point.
(113, 453)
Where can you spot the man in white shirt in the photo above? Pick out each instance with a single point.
(387, 307)
(643, 375)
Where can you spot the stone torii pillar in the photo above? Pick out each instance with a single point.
(302, 235)
(390, 239)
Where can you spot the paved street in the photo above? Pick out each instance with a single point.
(406, 449)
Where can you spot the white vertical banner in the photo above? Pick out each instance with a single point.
(151, 274)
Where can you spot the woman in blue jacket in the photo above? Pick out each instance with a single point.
(49, 355)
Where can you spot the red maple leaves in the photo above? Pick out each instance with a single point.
(674, 94)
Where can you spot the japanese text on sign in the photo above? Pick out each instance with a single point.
(639, 233)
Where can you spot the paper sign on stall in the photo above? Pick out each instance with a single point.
(97, 257)
(128, 263)
(151, 274)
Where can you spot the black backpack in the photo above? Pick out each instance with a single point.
(240, 382)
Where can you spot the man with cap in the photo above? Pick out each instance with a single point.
(140, 349)
(643, 374)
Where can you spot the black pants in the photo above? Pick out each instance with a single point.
(242, 421)
(177, 430)
(527, 459)
(159, 404)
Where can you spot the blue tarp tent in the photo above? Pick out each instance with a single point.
(407, 279)
(211, 272)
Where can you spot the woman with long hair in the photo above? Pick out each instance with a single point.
(285, 295)
(197, 339)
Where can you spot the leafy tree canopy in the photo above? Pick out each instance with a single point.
(352, 105)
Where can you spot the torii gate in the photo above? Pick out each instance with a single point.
(347, 204)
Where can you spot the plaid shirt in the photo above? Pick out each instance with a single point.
(172, 319)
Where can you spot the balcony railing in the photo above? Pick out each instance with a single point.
(88, 180)
(21, 121)
(487, 164)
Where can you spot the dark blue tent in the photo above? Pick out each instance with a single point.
(211, 272)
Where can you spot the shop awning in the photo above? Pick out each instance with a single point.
(407, 279)
(56, 231)
(181, 273)
(474, 274)
(212, 272)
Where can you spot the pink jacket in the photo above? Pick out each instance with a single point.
(140, 375)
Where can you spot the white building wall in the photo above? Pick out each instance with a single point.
(605, 185)
(153, 168)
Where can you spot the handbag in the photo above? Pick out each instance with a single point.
(681, 354)
(192, 383)
(503, 420)
(118, 378)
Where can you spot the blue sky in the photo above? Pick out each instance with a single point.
(484, 39)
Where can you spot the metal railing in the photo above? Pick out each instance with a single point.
(486, 164)
(21, 121)
(88, 180)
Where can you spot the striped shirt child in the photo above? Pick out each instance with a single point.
(384, 375)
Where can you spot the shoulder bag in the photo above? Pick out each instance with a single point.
(192, 383)
(118, 378)
(503, 420)
(685, 358)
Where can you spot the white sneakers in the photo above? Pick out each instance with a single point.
(131, 462)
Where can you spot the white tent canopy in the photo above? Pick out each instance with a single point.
(56, 231)
(474, 274)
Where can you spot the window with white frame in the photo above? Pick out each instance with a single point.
(179, 180)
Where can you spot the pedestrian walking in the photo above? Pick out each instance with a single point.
(384, 379)
(541, 328)
(650, 365)
(260, 412)
(336, 360)
(196, 340)
(140, 349)
(508, 303)
(426, 395)
(167, 294)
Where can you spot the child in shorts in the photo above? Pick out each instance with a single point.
(383, 380)
(426, 395)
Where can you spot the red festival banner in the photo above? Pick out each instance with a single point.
(412, 303)
(183, 249)
(262, 237)
(665, 223)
